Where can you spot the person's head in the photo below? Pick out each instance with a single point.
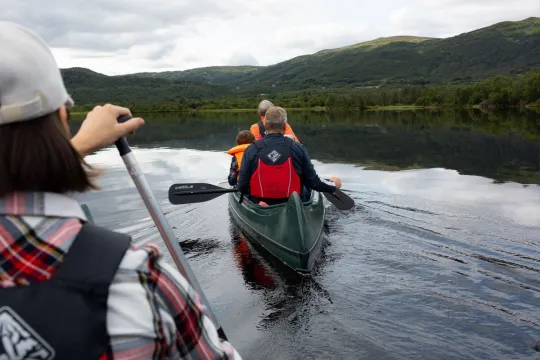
(276, 118)
(263, 107)
(245, 137)
(35, 149)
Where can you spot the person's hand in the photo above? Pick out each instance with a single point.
(101, 128)
(336, 181)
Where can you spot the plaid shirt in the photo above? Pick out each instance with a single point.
(153, 313)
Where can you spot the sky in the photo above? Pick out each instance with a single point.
(127, 36)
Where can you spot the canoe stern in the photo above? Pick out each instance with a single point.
(291, 232)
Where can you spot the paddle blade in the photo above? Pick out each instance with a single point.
(194, 193)
(340, 200)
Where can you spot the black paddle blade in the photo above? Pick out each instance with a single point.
(340, 200)
(195, 192)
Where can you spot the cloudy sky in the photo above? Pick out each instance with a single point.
(126, 36)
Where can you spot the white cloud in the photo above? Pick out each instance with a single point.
(446, 18)
(243, 58)
(122, 36)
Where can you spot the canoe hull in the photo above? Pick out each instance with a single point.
(291, 232)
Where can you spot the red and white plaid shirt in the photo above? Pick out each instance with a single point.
(37, 230)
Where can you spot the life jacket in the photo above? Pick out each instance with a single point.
(262, 130)
(65, 317)
(238, 153)
(275, 176)
(259, 131)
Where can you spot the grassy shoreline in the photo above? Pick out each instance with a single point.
(324, 109)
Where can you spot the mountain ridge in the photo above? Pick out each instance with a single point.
(506, 48)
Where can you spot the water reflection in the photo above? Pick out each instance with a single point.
(193, 248)
(256, 274)
(504, 146)
(431, 263)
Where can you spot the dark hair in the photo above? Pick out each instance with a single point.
(37, 155)
(244, 137)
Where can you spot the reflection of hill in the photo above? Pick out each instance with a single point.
(504, 157)
(473, 143)
(202, 131)
(500, 145)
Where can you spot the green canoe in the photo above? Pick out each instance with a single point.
(292, 232)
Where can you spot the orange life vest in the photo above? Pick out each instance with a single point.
(238, 153)
(258, 131)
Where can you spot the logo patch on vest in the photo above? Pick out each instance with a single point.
(274, 156)
(19, 341)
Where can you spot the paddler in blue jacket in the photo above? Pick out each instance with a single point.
(276, 166)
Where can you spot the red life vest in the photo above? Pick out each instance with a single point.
(275, 176)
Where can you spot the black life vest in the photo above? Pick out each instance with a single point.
(262, 130)
(275, 176)
(65, 317)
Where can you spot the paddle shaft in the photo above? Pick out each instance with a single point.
(161, 222)
(88, 213)
(211, 191)
(205, 192)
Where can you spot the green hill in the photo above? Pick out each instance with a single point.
(373, 44)
(229, 75)
(220, 75)
(506, 48)
(87, 86)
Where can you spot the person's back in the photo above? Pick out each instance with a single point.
(243, 140)
(258, 129)
(276, 166)
(69, 289)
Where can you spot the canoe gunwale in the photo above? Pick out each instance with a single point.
(310, 202)
(267, 238)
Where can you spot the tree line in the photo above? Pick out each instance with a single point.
(494, 92)
(499, 91)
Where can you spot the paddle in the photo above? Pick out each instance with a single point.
(199, 192)
(195, 193)
(340, 200)
(161, 222)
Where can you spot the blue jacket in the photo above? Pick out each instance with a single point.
(301, 162)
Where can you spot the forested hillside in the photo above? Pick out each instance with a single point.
(506, 48)
(386, 71)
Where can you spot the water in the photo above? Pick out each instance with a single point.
(440, 260)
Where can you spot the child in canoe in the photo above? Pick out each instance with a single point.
(243, 140)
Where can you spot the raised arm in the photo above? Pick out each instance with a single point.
(309, 176)
(101, 128)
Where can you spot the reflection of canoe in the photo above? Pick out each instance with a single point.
(254, 272)
(291, 232)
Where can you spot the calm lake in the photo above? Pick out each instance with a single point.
(440, 259)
